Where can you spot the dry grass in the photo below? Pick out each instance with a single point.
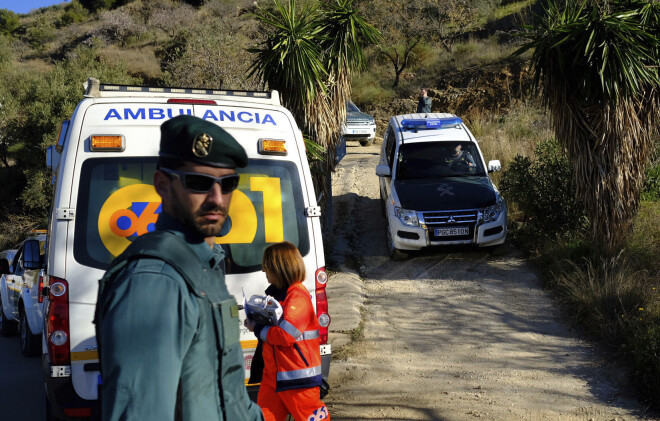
(141, 61)
(518, 132)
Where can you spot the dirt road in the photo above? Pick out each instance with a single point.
(456, 334)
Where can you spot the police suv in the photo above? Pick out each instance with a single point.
(21, 308)
(434, 186)
(103, 168)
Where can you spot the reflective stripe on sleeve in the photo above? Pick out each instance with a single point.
(263, 335)
(310, 334)
(289, 328)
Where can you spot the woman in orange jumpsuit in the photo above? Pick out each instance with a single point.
(291, 350)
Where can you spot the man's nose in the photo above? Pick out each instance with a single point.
(215, 195)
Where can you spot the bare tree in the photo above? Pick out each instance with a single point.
(118, 26)
(403, 26)
(172, 19)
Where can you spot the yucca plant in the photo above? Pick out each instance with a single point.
(309, 56)
(596, 64)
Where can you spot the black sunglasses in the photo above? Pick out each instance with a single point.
(202, 183)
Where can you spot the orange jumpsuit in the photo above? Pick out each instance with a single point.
(292, 362)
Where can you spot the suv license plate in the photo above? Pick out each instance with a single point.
(360, 131)
(450, 232)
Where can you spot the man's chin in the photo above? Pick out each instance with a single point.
(209, 230)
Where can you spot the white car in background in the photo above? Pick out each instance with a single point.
(358, 125)
(20, 294)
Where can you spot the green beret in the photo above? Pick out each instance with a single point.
(190, 138)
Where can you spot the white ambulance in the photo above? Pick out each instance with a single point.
(103, 168)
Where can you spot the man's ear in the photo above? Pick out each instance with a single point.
(162, 183)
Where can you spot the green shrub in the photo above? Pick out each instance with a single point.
(8, 21)
(651, 189)
(73, 12)
(543, 190)
(643, 346)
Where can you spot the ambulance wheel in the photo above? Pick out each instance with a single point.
(7, 327)
(395, 253)
(30, 343)
(49, 412)
(366, 142)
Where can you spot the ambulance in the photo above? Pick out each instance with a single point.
(103, 166)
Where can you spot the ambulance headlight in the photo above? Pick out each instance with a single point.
(407, 217)
(59, 337)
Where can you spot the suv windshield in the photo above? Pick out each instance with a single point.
(350, 107)
(438, 159)
(117, 202)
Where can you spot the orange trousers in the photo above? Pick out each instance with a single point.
(302, 404)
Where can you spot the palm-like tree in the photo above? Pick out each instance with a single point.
(597, 68)
(310, 56)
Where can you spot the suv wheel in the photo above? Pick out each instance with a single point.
(395, 253)
(367, 142)
(30, 344)
(7, 327)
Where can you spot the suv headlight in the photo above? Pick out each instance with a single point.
(491, 213)
(407, 217)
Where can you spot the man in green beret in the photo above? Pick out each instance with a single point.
(166, 326)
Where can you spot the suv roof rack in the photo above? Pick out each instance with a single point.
(95, 89)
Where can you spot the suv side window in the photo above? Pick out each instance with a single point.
(390, 145)
(17, 266)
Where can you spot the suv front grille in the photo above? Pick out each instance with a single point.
(442, 222)
(450, 217)
(356, 121)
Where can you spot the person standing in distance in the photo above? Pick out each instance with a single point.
(424, 102)
(166, 326)
(291, 350)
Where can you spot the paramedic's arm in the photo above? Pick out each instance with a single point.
(290, 327)
(147, 326)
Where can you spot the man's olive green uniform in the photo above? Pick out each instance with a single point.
(174, 342)
(166, 326)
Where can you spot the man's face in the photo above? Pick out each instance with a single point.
(205, 213)
(423, 92)
(458, 149)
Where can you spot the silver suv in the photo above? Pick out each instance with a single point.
(358, 126)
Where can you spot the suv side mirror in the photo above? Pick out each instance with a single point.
(31, 255)
(383, 170)
(494, 165)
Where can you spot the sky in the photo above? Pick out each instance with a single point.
(24, 6)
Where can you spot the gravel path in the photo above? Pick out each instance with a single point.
(454, 334)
